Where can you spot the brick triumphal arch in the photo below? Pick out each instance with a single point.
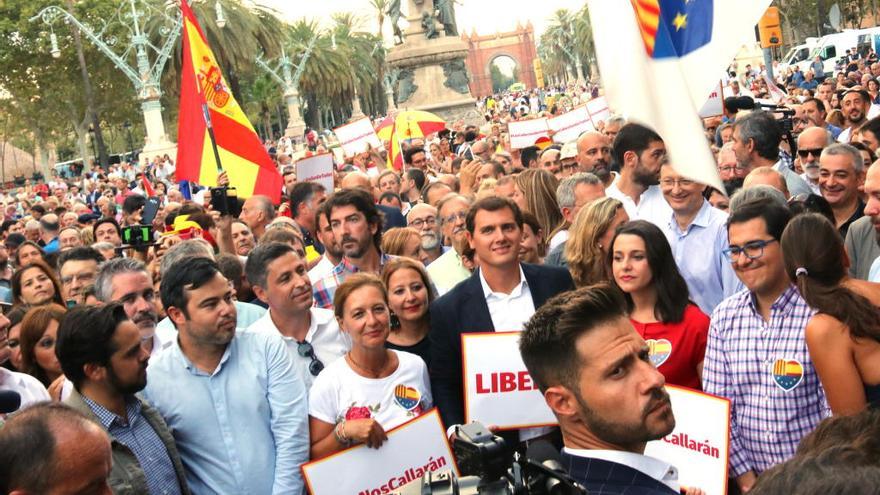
(482, 50)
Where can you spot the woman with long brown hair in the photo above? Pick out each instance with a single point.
(844, 335)
(35, 284)
(409, 296)
(39, 330)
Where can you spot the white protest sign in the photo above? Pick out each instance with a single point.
(498, 389)
(570, 125)
(698, 446)
(524, 133)
(714, 106)
(412, 449)
(598, 108)
(354, 137)
(318, 168)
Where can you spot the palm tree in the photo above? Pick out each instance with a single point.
(573, 32)
(380, 6)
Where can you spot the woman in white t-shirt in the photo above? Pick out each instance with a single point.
(373, 389)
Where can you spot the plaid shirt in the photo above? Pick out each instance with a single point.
(325, 288)
(143, 441)
(767, 422)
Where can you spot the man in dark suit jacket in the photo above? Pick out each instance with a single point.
(596, 376)
(494, 227)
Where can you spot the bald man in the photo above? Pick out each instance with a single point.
(768, 177)
(257, 212)
(594, 155)
(359, 180)
(810, 144)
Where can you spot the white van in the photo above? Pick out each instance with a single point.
(798, 53)
(831, 48)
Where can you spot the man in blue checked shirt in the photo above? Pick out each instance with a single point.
(756, 355)
(233, 400)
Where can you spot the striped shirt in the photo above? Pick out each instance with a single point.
(325, 289)
(765, 369)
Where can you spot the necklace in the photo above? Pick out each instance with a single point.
(367, 371)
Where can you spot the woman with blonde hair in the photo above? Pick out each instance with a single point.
(535, 192)
(586, 249)
(402, 241)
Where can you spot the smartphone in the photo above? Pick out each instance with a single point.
(137, 235)
(151, 208)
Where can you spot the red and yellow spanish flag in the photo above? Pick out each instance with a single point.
(242, 155)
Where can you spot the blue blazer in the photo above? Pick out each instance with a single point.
(464, 309)
(602, 477)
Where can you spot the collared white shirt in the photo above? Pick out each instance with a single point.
(328, 341)
(651, 206)
(29, 388)
(655, 468)
(321, 270)
(509, 312)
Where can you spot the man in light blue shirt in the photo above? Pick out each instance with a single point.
(697, 234)
(233, 400)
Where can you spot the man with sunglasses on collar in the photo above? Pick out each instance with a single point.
(280, 279)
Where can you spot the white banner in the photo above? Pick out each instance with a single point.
(714, 106)
(412, 449)
(570, 125)
(524, 133)
(354, 137)
(599, 111)
(498, 389)
(318, 168)
(698, 446)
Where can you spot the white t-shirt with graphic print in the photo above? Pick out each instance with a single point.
(338, 392)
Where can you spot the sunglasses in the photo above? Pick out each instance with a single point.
(803, 153)
(305, 349)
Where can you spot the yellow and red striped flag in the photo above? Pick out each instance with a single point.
(242, 155)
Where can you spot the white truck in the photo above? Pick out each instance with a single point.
(831, 48)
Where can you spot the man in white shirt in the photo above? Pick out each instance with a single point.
(810, 143)
(639, 150)
(332, 250)
(279, 279)
(596, 376)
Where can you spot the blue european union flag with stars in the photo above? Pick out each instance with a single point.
(684, 26)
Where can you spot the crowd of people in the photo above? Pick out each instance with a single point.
(224, 353)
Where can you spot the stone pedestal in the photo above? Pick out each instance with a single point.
(433, 76)
(156, 141)
(295, 125)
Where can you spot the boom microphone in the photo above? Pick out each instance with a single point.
(10, 401)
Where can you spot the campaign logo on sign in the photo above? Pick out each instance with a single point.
(406, 397)
(787, 373)
(659, 351)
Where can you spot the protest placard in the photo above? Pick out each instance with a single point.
(412, 449)
(698, 445)
(714, 106)
(498, 388)
(356, 136)
(524, 133)
(568, 126)
(317, 168)
(599, 111)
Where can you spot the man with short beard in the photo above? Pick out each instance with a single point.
(242, 238)
(639, 151)
(99, 351)
(855, 104)
(332, 251)
(756, 139)
(573, 347)
(732, 175)
(594, 155)
(357, 225)
(126, 280)
(448, 270)
(810, 143)
(423, 217)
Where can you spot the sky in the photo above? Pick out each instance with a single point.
(486, 16)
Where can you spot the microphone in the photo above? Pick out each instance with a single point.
(10, 401)
(544, 457)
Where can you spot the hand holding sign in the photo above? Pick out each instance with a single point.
(366, 431)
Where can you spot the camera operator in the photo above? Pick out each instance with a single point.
(596, 376)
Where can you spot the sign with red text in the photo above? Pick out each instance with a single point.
(414, 448)
(317, 168)
(568, 126)
(524, 133)
(598, 108)
(498, 389)
(356, 137)
(714, 106)
(698, 445)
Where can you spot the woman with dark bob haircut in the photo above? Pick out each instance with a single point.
(643, 267)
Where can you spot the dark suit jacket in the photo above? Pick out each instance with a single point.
(464, 309)
(602, 477)
(393, 217)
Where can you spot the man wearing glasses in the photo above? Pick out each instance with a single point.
(810, 143)
(423, 217)
(280, 279)
(756, 354)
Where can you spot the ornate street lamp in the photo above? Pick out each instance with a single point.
(283, 73)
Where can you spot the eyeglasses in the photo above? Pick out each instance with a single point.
(731, 168)
(570, 166)
(753, 250)
(455, 216)
(672, 182)
(803, 153)
(419, 222)
(304, 349)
